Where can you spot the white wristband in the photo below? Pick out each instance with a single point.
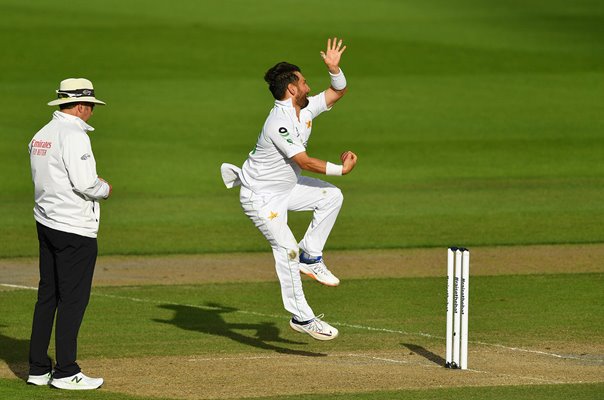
(333, 169)
(338, 81)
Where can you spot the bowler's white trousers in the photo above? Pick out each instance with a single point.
(269, 214)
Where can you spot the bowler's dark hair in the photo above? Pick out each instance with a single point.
(279, 76)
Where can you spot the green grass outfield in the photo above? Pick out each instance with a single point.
(373, 315)
(578, 392)
(476, 122)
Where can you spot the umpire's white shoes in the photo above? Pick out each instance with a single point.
(316, 269)
(78, 381)
(316, 328)
(39, 380)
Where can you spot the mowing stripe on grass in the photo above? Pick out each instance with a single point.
(361, 327)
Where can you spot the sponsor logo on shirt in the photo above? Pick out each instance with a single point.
(285, 134)
(85, 157)
(41, 144)
(40, 147)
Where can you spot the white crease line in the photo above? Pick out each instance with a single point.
(432, 365)
(367, 328)
(234, 358)
(470, 341)
(184, 305)
(532, 351)
(18, 286)
(382, 359)
(389, 360)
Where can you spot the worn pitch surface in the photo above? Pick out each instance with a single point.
(403, 367)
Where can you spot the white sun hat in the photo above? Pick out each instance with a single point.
(75, 90)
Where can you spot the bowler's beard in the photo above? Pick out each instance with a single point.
(302, 101)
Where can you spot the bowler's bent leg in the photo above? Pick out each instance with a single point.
(325, 200)
(270, 217)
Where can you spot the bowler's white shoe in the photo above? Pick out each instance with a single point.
(320, 273)
(78, 381)
(39, 380)
(316, 328)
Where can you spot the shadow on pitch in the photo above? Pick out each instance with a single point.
(14, 353)
(428, 355)
(208, 319)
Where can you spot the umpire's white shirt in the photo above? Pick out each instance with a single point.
(269, 168)
(66, 185)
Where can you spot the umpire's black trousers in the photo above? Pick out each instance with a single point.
(66, 267)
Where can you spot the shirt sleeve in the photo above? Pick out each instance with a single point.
(317, 105)
(81, 168)
(280, 134)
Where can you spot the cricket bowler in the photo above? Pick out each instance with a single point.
(272, 184)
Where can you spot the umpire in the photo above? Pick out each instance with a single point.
(67, 212)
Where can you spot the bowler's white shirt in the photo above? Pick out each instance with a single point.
(66, 185)
(269, 167)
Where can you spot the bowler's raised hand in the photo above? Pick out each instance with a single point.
(333, 53)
